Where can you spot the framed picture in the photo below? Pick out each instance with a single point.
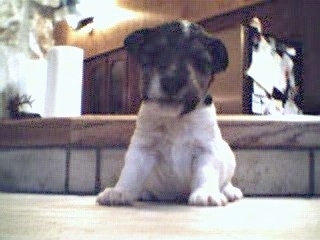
(264, 75)
(272, 82)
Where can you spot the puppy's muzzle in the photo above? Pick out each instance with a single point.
(174, 79)
(171, 85)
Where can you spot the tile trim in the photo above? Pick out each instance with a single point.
(67, 174)
(98, 171)
(312, 173)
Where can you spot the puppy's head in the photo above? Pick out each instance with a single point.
(177, 60)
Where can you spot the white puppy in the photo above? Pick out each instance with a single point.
(177, 151)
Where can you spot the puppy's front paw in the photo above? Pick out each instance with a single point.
(114, 197)
(202, 197)
(232, 193)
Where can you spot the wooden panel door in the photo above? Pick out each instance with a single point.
(117, 82)
(111, 84)
(133, 93)
(94, 85)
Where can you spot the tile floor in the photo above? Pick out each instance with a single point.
(27, 216)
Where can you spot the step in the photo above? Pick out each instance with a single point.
(276, 155)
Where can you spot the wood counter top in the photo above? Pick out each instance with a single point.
(111, 131)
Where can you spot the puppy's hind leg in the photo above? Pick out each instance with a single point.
(138, 165)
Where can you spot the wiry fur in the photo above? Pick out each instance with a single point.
(177, 151)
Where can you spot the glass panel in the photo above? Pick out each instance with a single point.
(117, 85)
(98, 75)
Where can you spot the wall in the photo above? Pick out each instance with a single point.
(272, 172)
(227, 86)
(148, 14)
(309, 18)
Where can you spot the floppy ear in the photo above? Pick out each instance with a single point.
(134, 41)
(218, 53)
(215, 46)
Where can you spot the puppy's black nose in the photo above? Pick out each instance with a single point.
(171, 85)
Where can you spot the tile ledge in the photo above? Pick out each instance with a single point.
(269, 118)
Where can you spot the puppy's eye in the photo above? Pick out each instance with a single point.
(163, 65)
(163, 59)
(145, 60)
(203, 63)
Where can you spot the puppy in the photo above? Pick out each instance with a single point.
(177, 152)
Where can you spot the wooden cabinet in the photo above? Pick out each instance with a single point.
(111, 84)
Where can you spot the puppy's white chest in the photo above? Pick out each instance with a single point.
(171, 174)
(176, 153)
(175, 143)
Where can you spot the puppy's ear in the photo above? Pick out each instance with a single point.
(135, 41)
(215, 46)
(218, 53)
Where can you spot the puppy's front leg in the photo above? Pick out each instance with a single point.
(205, 183)
(138, 165)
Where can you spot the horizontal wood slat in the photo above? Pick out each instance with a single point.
(111, 131)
